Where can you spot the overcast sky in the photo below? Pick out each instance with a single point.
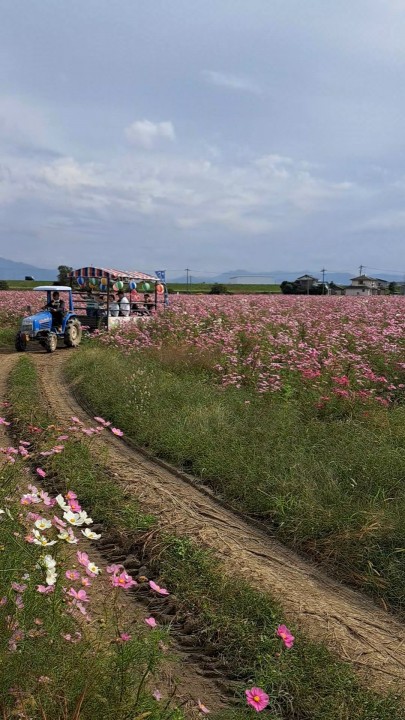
(213, 134)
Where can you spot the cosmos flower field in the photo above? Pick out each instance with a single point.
(330, 349)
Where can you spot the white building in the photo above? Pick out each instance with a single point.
(363, 285)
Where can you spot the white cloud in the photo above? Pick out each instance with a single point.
(232, 82)
(145, 133)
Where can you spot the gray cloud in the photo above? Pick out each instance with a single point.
(260, 134)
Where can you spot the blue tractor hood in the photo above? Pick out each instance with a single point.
(39, 321)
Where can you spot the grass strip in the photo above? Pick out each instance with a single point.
(238, 622)
(45, 650)
(332, 488)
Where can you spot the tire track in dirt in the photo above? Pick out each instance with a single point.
(350, 624)
(181, 676)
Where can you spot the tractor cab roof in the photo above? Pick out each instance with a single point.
(53, 288)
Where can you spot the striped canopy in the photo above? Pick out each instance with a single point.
(112, 274)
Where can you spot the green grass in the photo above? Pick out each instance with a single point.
(236, 288)
(48, 675)
(332, 488)
(27, 284)
(306, 683)
(7, 336)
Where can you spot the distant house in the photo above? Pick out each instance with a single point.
(335, 289)
(363, 285)
(305, 283)
(383, 285)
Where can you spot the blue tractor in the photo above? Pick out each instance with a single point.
(56, 321)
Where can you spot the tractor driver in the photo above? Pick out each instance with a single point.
(56, 307)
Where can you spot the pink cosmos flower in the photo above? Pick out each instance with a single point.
(3, 601)
(123, 580)
(60, 524)
(25, 443)
(124, 637)
(114, 568)
(157, 588)
(41, 472)
(76, 420)
(72, 574)
(257, 698)
(80, 595)
(63, 437)
(3, 421)
(284, 633)
(202, 708)
(72, 638)
(157, 695)
(83, 558)
(19, 602)
(74, 506)
(85, 581)
(17, 587)
(45, 589)
(70, 495)
(117, 432)
(151, 622)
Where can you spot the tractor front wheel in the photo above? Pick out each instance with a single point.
(73, 334)
(51, 342)
(20, 343)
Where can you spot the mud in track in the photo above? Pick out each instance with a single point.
(350, 624)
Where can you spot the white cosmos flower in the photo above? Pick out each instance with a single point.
(48, 561)
(85, 518)
(51, 578)
(42, 524)
(90, 534)
(73, 518)
(41, 540)
(2, 512)
(68, 536)
(62, 502)
(91, 567)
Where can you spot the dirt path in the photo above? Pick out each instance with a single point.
(351, 625)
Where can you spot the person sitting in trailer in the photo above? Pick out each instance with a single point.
(114, 310)
(91, 305)
(148, 303)
(124, 304)
(138, 309)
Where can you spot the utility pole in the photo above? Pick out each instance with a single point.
(187, 271)
(323, 271)
(361, 269)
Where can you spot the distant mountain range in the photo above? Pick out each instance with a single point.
(10, 270)
(270, 278)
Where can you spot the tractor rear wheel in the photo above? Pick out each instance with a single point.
(20, 343)
(73, 333)
(51, 342)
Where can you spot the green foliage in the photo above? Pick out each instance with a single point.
(331, 486)
(239, 622)
(42, 674)
(218, 289)
(306, 682)
(4, 285)
(64, 274)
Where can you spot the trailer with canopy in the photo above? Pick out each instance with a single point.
(97, 286)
